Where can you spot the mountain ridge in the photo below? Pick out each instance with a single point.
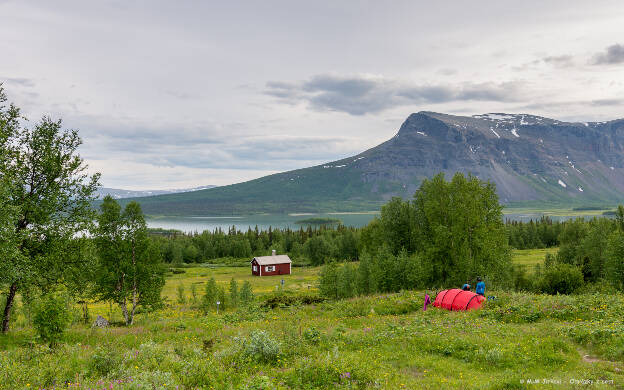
(119, 193)
(531, 159)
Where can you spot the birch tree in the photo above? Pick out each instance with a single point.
(47, 188)
(129, 270)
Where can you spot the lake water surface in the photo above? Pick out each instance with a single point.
(282, 221)
(199, 224)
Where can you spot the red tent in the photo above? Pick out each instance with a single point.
(456, 299)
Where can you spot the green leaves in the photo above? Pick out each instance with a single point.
(45, 201)
(51, 317)
(129, 266)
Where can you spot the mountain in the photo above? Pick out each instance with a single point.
(123, 194)
(533, 161)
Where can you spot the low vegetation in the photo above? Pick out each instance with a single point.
(296, 344)
(319, 221)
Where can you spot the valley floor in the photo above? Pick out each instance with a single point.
(383, 341)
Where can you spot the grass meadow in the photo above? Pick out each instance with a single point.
(376, 342)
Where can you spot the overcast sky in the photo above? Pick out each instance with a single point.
(172, 94)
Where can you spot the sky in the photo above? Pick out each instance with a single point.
(188, 93)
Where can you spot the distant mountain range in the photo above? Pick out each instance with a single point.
(533, 161)
(122, 194)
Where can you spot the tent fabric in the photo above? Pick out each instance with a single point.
(456, 299)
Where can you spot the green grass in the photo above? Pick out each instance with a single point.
(560, 211)
(529, 258)
(378, 342)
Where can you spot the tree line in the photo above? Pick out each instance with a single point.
(316, 244)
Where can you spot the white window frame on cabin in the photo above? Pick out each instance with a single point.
(269, 268)
(255, 268)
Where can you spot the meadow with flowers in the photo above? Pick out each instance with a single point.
(280, 342)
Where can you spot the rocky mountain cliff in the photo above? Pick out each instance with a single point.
(532, 160)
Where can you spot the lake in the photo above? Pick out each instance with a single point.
(199, 224)
(282, 221)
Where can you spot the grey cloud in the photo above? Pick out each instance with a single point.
(359, 95)
(614, 54)
(562, 61)
(562, 105)
(18, 81)
(182, 95)
(447, 71)
(607, 102)
(206, 146)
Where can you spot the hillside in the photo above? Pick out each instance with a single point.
(515, 338)
(533, 161)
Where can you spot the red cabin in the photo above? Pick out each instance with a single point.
(271, 265)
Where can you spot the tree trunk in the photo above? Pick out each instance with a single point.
(85, 312)
(124, 310)
(134, 284)
(7, 308)
(122, 302)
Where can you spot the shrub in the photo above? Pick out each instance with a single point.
(260, 346)
(521, 280)
(246, 313)
(181, 294)
(561, 279)
(103, 361)
(193, 294)
(51, 318)
(234, 296)
(211, 295)
(246, 293)
(282, 299)
(312, 335)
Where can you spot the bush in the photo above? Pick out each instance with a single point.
(282, 299)
(312, 335)
(561, 279)
(521, 280)
(260, 346)
(51, 318)
(104, 361)
(181, 294)
(246, 293)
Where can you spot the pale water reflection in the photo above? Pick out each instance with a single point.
(199, 224)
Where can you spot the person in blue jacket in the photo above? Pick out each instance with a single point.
(466, 286)
(480, 287)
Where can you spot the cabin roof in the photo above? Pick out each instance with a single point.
(270, 260)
